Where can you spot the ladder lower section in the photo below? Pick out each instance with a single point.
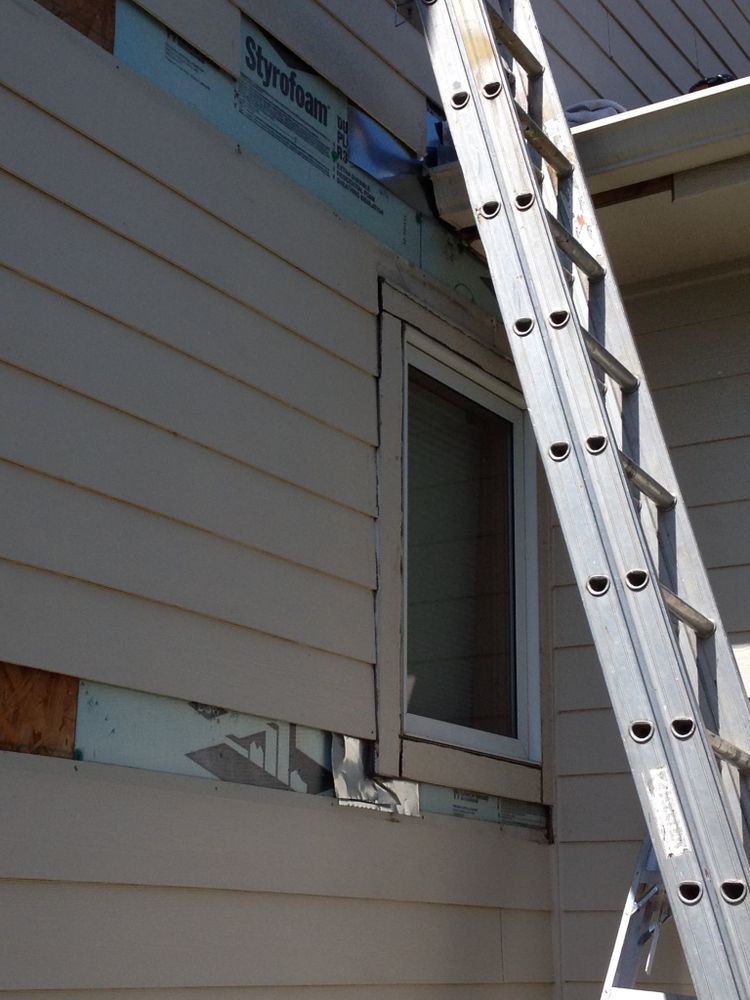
(671, 675)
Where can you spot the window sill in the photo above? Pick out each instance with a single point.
(449, 766)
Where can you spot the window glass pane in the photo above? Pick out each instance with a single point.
(460, 656)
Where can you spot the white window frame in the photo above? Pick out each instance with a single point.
(469, 380)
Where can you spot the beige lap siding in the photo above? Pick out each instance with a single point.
(693, 342)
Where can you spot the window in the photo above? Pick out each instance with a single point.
(469, 661)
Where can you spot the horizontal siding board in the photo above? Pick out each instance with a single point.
(689, 301)
(67, 342)
(527, 946)
(707, 22)
(42, 61)
(652, 34)
(58, 432)
(716, 472)
(587, 943)
(233, 939)
(214, 30)
(710, 349)
(226, 415)
(570, 625)
(82, 535)
(57, 337)
(117, 825)
(362, 75)
(722, 533)
(589, 743)
(131, 204)
(598, 808)
(571, 40)
(579, 682)
(705, 411)
(72, 627)
(394, 991)
(404, 50)
(596, 876)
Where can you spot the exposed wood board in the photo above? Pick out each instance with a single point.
(402, 47)
(125, 826)
(44, 64)
(79, 534)
(37, 711)
(442, 765)
(705, 411)
(579, 683)
(354, 68)
(226, 939)
(243, 346)
(107, 190)
(69, 626)
(589, 743)
(214, 30)
(94, 19)
(222, 414)
(67, 436)
(390, 594)
(527, 946)
(596, 876)
(598, 808)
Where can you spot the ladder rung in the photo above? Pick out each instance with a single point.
(648, 486)
(627, 381)
(542, 143)
(575, 250)
(702, 626)
(518, 49)
(621, 993)
(730, 753)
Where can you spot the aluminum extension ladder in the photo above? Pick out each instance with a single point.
(668, 665)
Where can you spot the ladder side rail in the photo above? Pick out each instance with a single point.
(723, 694)
(621, 616)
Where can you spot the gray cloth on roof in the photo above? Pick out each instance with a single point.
(591, 111)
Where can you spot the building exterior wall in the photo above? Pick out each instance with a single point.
(692, 335)
(190, 362)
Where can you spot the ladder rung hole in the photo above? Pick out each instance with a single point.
(490, 209)
(641, 731)
(492, 89)
(525, 200)
(636, 579)
(460, 99)
(559, 318)
(523, 326)
(596, 444)
(683, 728)
(559, 451)
(597, 585)
(733, 890)
(690, 892)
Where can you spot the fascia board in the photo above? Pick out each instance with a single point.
(666, 138)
